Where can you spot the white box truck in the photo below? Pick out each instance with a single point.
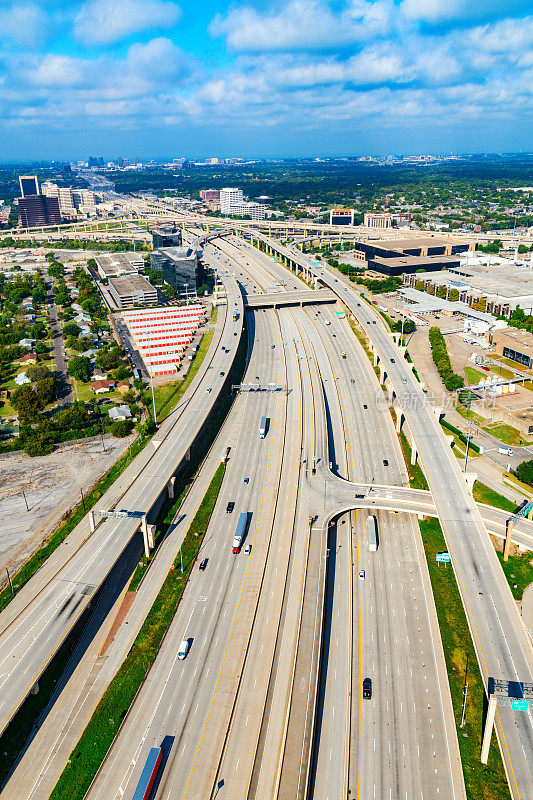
(372, 529)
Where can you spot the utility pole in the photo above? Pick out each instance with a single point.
(9, 579)
(24, 496)
(82, 499)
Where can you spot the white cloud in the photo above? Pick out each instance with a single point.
(25, 24)
(106, 21)
(55, 70)
(157, 58)
(445, 10)
(302, 24)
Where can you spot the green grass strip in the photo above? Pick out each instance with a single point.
(417, 479)
(30, 567)
(482, 494)
(98, 736)
(482, 782)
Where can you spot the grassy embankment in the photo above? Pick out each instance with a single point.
(482, 782)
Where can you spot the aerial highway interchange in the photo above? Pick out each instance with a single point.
(268, 702)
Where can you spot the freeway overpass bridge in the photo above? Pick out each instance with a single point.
(291, 298)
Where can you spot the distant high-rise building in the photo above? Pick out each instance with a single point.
(210, 194)
(37, 209)
(28, 185)
(96, 161)
(341, 216)
(229, 198)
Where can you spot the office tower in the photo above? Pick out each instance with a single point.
(229, 198)
(37, 209)
(28, 185)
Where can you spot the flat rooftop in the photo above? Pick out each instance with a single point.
(118, 263)
(515, 338)
(407, 243)
(422, 303)
(506, 281)
(131, 283)
(418, 261)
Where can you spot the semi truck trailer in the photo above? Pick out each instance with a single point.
(239, 532)
(263, 427)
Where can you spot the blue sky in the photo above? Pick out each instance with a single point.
(158, 78)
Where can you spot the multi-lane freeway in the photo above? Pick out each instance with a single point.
(42, 614)
(268, 702)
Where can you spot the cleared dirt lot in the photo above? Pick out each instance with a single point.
(52, 485)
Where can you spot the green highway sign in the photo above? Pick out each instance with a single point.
(520, 705)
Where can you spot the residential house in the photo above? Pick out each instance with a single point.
(28, 358)
(21, 379)
(27, 343)
(98, 374)
(100, 387)
(119, 413)
(123, 387)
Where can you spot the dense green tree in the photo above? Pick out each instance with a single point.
(122, 427)
(71, 329)
(524, 472)
(78, 367)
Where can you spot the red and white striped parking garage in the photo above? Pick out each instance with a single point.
(162, 334)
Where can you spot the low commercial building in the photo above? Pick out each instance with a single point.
(110, 265)
(132, 290)
(386, 220)
(179, 266)
(501, 289)
(513, 343)
(162, 334)
(406, 256)
(210, 194)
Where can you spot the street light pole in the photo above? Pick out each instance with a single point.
(467, 443)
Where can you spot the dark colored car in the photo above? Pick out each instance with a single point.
(367, 688)
(385, 462)
(203, 564)
(230, 507)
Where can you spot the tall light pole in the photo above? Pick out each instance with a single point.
(467, 442)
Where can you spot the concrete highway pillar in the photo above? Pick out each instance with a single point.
(399, 419)
(92, 526)
(402, 349)
(151, 535)
(438, 412)
(487, 733)
(414, 454)
(170, 487)
(35, 688)
(144, 528)
(470, 478)
(530, 513)
(376, 357)
(507, 546)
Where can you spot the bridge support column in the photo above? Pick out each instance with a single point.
(470, 478)
(399, 419)
(170, 487)
(144, 528)
(530, 513)
(487, 733)
(414, 454)
(507, 548)
(439, 412)
(92, 525)
(151, 535)
(35, 688)
(402, 349)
